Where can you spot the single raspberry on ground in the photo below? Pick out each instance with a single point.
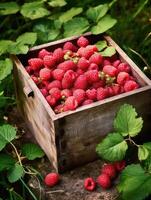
(122, 77)
(93, 66)
(56, 93)
(54, 84)
(104, 181)
(130, 85)
(120, 165)
(35, 63)
(43, 52)
(66, 93)
(124, 67)
(67, 65)
(83, 63)
(96, 58)
(82, 42)
(71, 103)
(44, 91)
(109, 169)
(92, 76)
(81, 82)
(91, 94)
(79, 94)
(89, 184)
(58, 74)
(110, 70)
(70, 46)
(102, 93)
(116, 63)
(45, 74)
(51, 100)
(49, 61)
(58, 55)
(87, 101)
(51, 179)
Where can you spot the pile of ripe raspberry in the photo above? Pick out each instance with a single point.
(77, 75)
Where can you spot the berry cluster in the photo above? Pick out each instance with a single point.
(77, 75)
(108, 173)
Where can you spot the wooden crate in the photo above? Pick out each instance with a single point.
(69, 139)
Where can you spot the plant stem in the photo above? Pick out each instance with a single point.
(18, 156)
(131, 141)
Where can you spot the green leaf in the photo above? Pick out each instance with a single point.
(143, 152)
(46, 31)
(15, 173)
(127, 122)
(18, 48)
(34, 10)
(104, 24)
(6, 162)
(57, 3)
(5, 68)
(9, 8)
(108, 52)
(134, 183)
(101, 45)
(112, 148)
(27, 38)
(76, 26)
(68, 15)
(97, 12)
(32, 151)
(4, 46)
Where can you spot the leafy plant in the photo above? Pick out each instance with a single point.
(135, 179)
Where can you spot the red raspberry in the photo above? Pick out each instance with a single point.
(109, 169)
(80, 51)
(58, 55)
(56, 93)
(106, 62)
(96, 58)
(51, 100)
(110, 91)
(104, 181)
(35, 63)
(92, 76)
(130, 85)
(124, 67)
(82, 42)
(71, 103)
(79, 94)
(83, 63)
(70, 46)
(85, 52)
(110, 70)
(116, 63)
(98, 84)
(120, 165)
(44, 84)
(58, 74)
(59, 108)
(91, 94)
(87, 101)
(51, 179)
(93, 66)
(102, 93)
(45, 74)
(80, 71)
(66, 93)
(89, 184)
(70, 75)
(116, 89)
(35, 79)
(93, 48)
(81, 82)
(54, 84)
(43, 52)
(44, 92)
(49, 61)
(29, 70)
(66, 65)
(66, 83)
(122, 77)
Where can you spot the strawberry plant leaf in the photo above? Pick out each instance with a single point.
(9, 8)
(134, 183)
(57, 3)
(101, 45)
(27, 38)
(126, 121)
(104, 24)
(32, 151)
(112, 148)
(6, 162)
(5, 68)
(76, 29)
(15, 173)
(95, 13)
(34, 10)
(108, 52)
(4, 46)
(69, 14)
(143, 152)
